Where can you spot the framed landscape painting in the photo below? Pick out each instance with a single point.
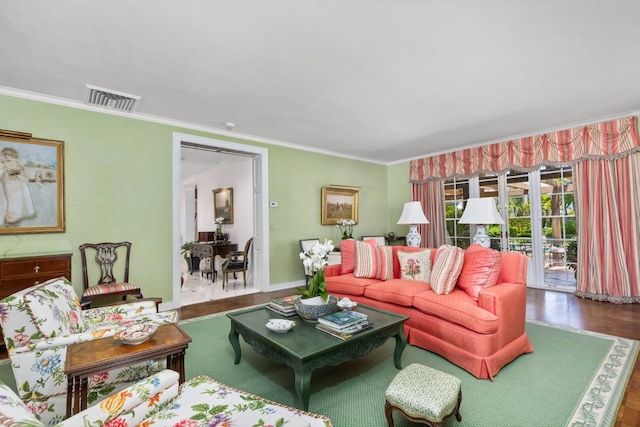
(223, 204)
(31, 184)
(339, 203)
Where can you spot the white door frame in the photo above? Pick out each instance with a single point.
(261, 211)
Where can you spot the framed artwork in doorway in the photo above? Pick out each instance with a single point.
(339, 203)
(31, 184)
(223, 204)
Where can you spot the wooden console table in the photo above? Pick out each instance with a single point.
(210, 250)
(91, 357)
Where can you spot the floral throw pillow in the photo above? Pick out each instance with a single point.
(415, 265)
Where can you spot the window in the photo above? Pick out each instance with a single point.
(456, 192)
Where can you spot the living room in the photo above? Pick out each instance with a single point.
(119, 183)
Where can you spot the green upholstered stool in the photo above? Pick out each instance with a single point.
(424, 395)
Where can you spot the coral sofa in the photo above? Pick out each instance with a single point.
(480, 328)
(159, 401)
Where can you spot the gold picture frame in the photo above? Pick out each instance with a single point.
(339, 203)
(223, 204)
(31, 184)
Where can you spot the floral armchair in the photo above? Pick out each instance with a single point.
(158, 401)
(39, 322)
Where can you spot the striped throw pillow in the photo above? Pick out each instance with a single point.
(373, 262)
(446, 269)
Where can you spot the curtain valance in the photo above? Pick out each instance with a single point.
(605, 140)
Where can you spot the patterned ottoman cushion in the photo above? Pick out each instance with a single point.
(424, 392)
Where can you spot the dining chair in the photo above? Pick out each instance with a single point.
(237, 261)
(106, 256)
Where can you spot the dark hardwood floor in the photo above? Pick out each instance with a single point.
(553, 307)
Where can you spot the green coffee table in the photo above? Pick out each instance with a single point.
(305, 348)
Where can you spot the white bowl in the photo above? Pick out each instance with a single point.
(136, 334)
(280, 326)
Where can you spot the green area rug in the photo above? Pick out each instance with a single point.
(573, 378)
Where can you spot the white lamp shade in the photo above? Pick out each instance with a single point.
(412, 214)
(481, 211)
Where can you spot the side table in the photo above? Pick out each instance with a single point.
(91, 357)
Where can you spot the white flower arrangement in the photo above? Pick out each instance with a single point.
(317, 255)
(346, 228)
(219, 222)
(316, 258)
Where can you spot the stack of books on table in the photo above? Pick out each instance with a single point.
(343, 324)
(283, 306)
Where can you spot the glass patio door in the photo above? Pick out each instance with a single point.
(539, 213)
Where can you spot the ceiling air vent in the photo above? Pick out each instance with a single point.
(107, 98)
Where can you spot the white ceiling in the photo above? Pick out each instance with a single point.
(380, 80)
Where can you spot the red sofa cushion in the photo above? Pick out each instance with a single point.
(347, 248)
(457, 307)
(514, 268)
(348, 284)
(396, 291)
(480, 269)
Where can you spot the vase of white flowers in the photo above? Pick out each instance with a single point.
(314, 301)
(219, 222)
(346, 228)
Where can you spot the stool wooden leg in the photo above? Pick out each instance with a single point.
(457, 410)
(388, 412)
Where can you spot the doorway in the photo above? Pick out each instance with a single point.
(259, 194)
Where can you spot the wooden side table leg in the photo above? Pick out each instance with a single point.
(175, 362)
(84, 394)
(69, 395)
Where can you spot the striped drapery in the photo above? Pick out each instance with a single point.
(431, 197)
(608, 210)
(609, 140)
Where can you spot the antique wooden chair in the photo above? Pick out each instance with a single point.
(106, 256)
(237, 262)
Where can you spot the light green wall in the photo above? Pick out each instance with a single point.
(118, 182)
(298, 193)
(399, 193)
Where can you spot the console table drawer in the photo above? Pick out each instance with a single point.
(30, 266)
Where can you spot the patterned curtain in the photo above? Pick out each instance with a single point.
(431, 197)
(609, 140)
(608, 210)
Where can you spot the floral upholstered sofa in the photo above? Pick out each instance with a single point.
(159, 401)
(467, 306)
(39, 323)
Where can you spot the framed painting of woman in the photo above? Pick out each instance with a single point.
(31, 184)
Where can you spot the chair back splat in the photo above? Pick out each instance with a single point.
(106, 257)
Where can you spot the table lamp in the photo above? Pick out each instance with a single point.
(481, 212)
(413, 215)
